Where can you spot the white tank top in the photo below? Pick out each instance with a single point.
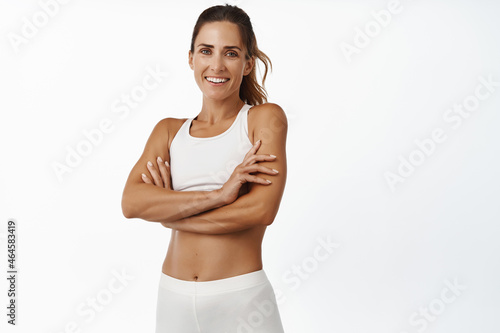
(205, 164)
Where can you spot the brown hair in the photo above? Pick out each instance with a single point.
(251, 91)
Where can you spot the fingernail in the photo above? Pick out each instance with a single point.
(268, 181)
(159, 159)
(257, 142)
(275, 170)
(150, 164)
(166, 163)
(273, 156)
(144, 176)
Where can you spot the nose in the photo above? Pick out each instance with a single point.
(217, 64)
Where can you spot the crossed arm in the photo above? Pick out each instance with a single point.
(204, 211)
(244, 213)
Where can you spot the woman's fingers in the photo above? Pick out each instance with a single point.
(164, 172)
(260, 158)
(154, 173)
(252, 150)
(146, 179)
(257, 168)
(160, 173)
(255, 179)
(232, 188)
(260, 168)
(251, 156)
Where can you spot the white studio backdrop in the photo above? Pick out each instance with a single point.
(390, 218)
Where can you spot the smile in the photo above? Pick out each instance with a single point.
(216, 80)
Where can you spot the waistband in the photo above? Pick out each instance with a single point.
(233, 283)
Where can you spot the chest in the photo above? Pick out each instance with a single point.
(205, 164)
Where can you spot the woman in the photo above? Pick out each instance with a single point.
(217, 194)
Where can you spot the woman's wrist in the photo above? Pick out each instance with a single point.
(217, 198)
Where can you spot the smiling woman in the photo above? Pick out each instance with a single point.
(202, 178)
(239, 45)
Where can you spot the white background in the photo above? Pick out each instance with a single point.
(350, 120)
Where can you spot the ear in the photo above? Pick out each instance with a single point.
(249, 66)
(190, 55)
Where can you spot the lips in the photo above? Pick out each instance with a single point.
(216, 80)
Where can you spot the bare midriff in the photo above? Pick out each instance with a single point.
(206, 257)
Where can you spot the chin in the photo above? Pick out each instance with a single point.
(216, 97)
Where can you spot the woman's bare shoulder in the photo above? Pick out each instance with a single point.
(265, 117)
(170, 125)
(171, 122)
(267, 112)
(267, 106)
(164, 130)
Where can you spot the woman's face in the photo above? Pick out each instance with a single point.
(219, 55)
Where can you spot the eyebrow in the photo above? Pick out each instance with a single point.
(226, 47)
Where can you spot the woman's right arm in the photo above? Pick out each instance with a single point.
(161, 203)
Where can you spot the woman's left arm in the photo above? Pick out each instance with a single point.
(260, 205)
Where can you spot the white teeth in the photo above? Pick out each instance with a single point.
(216, 80)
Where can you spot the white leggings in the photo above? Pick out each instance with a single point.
(240, 304)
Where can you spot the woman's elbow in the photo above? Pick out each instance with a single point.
(128, 207)
(268, 216)
(128, 212)
(267, 220)
(263, 213)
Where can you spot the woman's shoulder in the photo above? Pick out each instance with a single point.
(267, 112)
(273, 107)
(166, 128)
(171, 124)
(169, 121)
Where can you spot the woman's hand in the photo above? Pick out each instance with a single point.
(242, 174)
(160, 174)
(160, 177)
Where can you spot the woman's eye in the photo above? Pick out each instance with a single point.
(233, 54)
(203, 51)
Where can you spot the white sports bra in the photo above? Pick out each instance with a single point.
(205, 164)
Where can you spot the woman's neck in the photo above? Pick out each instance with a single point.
(213, 111)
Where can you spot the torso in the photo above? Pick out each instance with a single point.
(204, 257)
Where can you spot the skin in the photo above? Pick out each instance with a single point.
(215, 234)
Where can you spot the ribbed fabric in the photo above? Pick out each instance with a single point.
(205, 164)
(240, 304)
